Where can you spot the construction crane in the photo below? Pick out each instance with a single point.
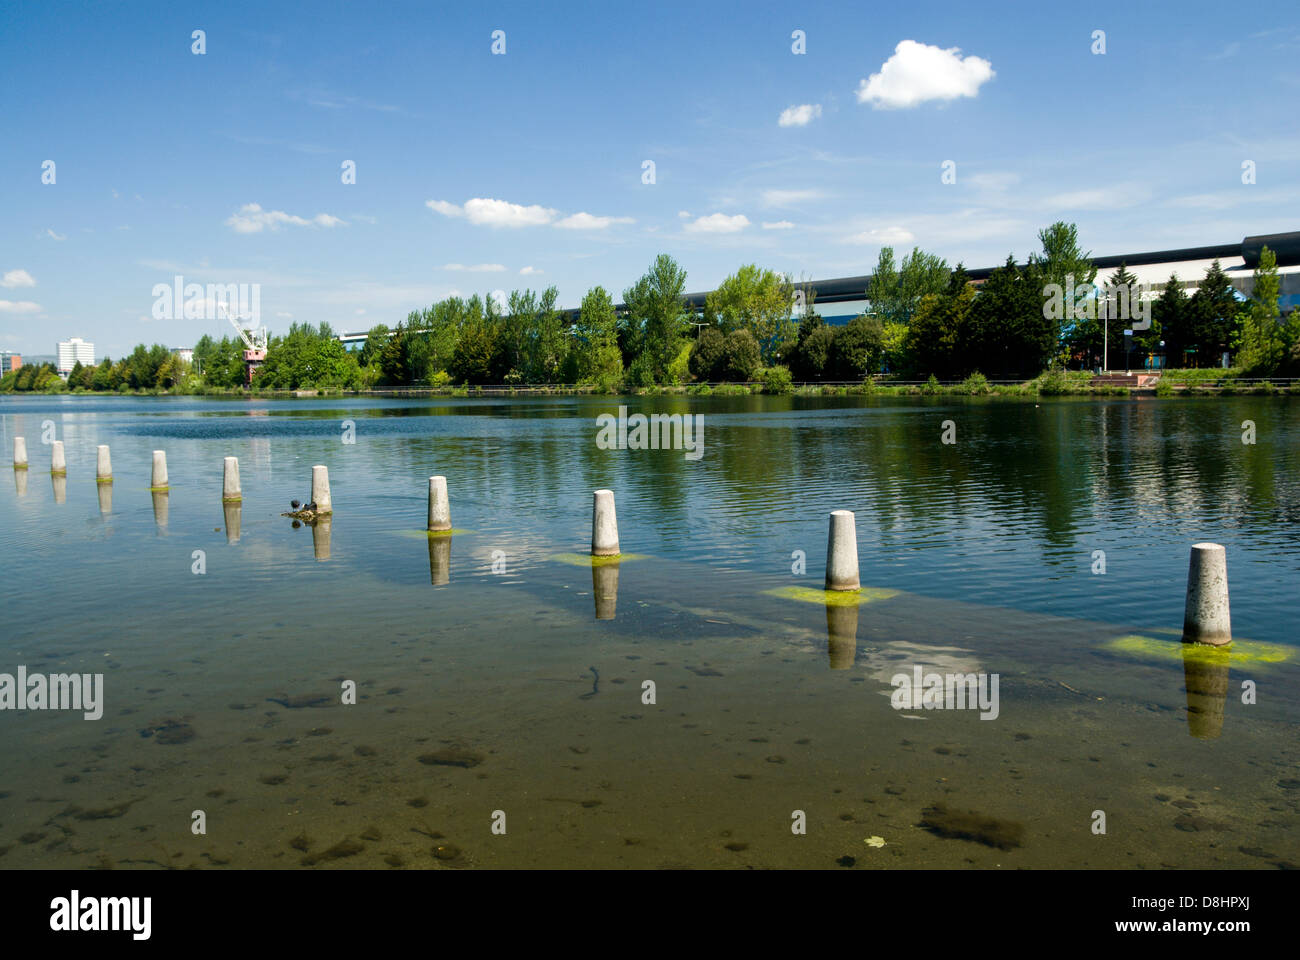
(254, 338)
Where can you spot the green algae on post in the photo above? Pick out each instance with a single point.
(1239, 651)
(584, 560)
(426, 534)
(833, 598)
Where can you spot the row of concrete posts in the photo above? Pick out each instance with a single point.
(1206, 616)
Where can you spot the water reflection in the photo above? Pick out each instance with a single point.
(842, 635)
(439, 560)
(1205, 675)
(604, 586)
(20, 482)
(105, 491)
(320, 537)
(160, 506)
(60, 487)
(233, 512)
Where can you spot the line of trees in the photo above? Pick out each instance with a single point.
(922, 318)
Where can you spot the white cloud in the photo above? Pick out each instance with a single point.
(586, 221)
(800, 116)
(684, 214)
(19, 306)
(531, 272)
(251, 218)
(285, 316)
(486, 212)
(56, 236)
(445, 208)
(17, 278)
(778, 225)
(1101, 198)
(787, 198)
(918, 72)
(885, 236)
(475, 268)
(718, 223)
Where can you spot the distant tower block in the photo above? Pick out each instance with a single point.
(320, 490)
(1206, 618)
(20, 453)
(158, 482)
(230, 490)
(604, 525)
(439, 506)
(842, 552)
(58, 462)
(103, 464)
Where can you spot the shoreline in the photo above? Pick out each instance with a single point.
(1028, 390)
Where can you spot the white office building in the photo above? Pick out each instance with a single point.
(71, 351)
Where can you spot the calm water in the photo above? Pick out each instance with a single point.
(483, 654)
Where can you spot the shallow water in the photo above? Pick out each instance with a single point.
(765, 704)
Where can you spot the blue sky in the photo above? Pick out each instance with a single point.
(470, 159)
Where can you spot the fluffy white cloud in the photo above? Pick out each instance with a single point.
(586, 221)
(19, 306)
(251, 218)
(787, 198)
(800, 116)
(885, 236)
(17, 278)
(718, 223)
(56, 236)
(778, 225)
(918, 72)
(475, 267)
(487, 212)
(531, 272)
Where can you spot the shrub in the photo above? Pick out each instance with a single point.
(931, 386)
(1053, 384)
(777, 380)
(977, 385)
(1164, 388)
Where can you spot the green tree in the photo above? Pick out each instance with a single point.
(1262, 346)
(894, 295)
(759, 301)
(598, 359)
(1213, 316)
(856, 348)
(657, 317)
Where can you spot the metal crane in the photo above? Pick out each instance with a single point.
(254, 344)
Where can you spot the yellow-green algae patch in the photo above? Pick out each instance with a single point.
(1239, 651)
(586, 560)
(833, 598)
(425, 534)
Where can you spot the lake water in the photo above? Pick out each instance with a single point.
(501, 679)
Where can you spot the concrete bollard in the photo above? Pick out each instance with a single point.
(842, 635)
(439, 560)
(842, 552)
(230, 492)
(233, 511)
(604, 587)
(158, 482)
(58, 462)
(439, 506)
(103, 465)
(604, 525)
(20, 453)
(320, 489)
(1206, 618)
(105, 491)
